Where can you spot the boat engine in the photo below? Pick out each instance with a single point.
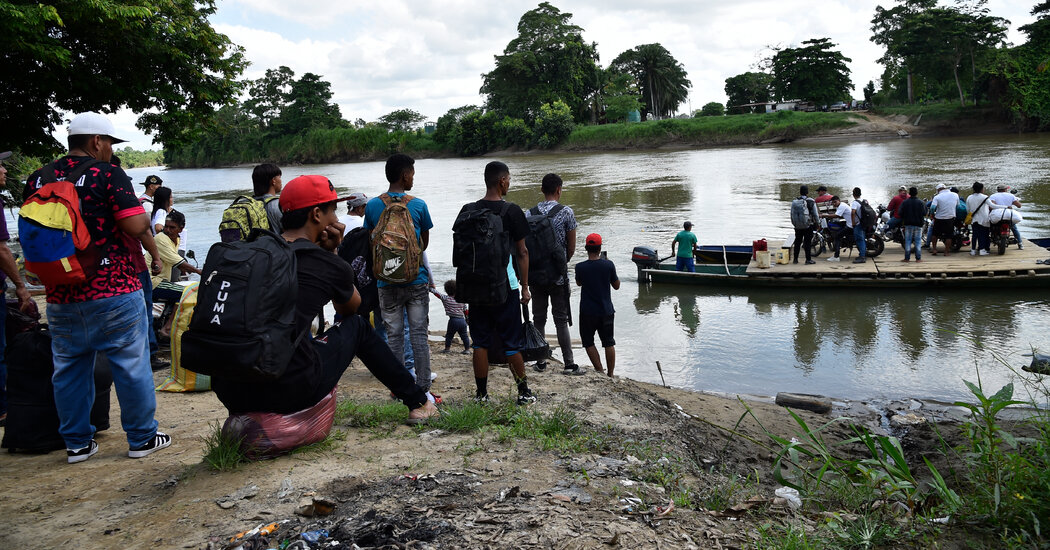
(645, 258)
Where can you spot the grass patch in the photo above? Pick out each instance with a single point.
(370, 416)
(334, 439)
(222, 453)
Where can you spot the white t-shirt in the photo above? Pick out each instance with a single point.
(854, 209)
(1003, 198)
(351, 222)
(844, 212)
(980, 211)
(945, 203)
(158, 219)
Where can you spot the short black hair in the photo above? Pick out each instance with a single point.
(296, 219)
(595, 248)
(550, 184)
(687, 225)
(178, 217)
(856, 191)
(836, 198)
(913, 191)
(396, 165)
(262, 175)
(804, 190)
(978, 187)
(822, 188)
(450, 287)
(493, 172)
(79, 141)
(114, 160)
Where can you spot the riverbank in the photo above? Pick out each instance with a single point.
(601, 463)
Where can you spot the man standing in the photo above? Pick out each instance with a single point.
(106, 314)
(491, 325)
(1004, 198)
(413, 297)
(563, 222)
(894, 208)
(152, 183)
(804, 218)
(686, 241)
(912, 211)
(859, 234)
(8, 270)
(355, 212)
(595, 277)
(839, 222)
(266, 184)
(977, 203)
(943, 204)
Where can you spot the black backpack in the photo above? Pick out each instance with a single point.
(547, 262)
(243, 325)
(480, 252)
(867, 215)
(356, 250)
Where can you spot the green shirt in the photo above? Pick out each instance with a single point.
(686, 241)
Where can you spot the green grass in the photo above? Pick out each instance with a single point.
(222, 453)
(370, 415)
(727, 130)
(940, 112)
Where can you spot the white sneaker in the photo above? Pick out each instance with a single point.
(833, 259)
(973, 252)
(433, 376)
(983, 253)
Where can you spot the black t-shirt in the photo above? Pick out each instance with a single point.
(323, 277)
(595, 278)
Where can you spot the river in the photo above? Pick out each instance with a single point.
(847, 344)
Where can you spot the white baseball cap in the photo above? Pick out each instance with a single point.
(93, 124)
(941, 186)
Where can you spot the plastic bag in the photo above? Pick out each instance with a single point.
(264, 435)
(536, 347)
(1004, 214)
(181, 379)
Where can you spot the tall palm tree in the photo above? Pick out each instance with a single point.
(664, 82)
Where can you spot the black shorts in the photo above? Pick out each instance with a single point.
(944, 228)
(602, 324)
(502, 321)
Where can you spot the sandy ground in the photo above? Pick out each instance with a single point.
(459, 491)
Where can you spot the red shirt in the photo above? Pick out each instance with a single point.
(106, 196)
(895, 205)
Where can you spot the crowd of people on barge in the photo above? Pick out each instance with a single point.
(140, 242)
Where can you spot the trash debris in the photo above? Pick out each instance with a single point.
(313, 505)
(286, 489)
(791, 496)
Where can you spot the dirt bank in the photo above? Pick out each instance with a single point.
(446, 490)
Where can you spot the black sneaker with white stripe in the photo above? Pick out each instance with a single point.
(80, 455)
(158, 442)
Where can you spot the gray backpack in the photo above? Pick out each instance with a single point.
(802, 212)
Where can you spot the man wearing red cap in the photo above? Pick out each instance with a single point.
(309, 207)
(595, 277)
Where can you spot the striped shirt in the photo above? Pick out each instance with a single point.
(453, 308)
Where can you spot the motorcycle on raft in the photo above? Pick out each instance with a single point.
(960, 237)
(824, 239)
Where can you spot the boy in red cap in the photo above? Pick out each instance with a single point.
(595, 276)
(309, 207)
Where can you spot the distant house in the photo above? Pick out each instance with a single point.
(773, 106)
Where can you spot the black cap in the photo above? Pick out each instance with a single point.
(822, 188)
(153, 180)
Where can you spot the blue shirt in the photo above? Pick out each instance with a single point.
(420, 219)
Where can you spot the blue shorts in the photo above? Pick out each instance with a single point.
(502, 322)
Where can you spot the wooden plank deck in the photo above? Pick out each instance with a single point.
(889, 265)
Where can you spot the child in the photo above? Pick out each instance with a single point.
(596, 276)
(456, 312)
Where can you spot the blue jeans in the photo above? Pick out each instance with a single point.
(410, 361)
(117, 327)
(894, 222)
(684, 264)
(860, 240)
(395, 302)
(912, 237)
(147, 295)
(1017, 234)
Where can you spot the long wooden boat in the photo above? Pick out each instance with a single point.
(733, 265)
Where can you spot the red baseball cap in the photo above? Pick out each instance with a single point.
(306, 191)
(594, 239)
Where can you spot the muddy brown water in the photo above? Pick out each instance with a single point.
(848, 344)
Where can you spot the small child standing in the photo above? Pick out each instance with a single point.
(456, 312)
(595, 277)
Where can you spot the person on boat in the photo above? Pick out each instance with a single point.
(977, 202)
(686, 242)
(596, 277)
(563, 222)
(152, 183)
(912, 211)
(838, 221)
(943, 212)
(894, 208)
(859, 236)
(1004, 198)
(823, 201)
(804, 218)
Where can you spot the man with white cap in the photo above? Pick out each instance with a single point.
(107, 313)
(1005, 199)
(943, 213)
(355, 212)
(8, 270)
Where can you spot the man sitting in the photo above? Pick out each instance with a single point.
(309, 206)
(164, 289)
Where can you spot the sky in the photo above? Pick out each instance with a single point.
(429, 55)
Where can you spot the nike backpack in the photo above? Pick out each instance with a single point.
(396, 250)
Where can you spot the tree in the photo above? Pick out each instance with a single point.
(814, 72)
(401, 120)
(869, 92)
(621, 97)
(71, 55)
(309, 106)
(268, 96)
(662, 79)
(449, 130)
(713, 108)
(751, 87)
(548, 61)
(1023, 73)
(894, 29)
(553, 124)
